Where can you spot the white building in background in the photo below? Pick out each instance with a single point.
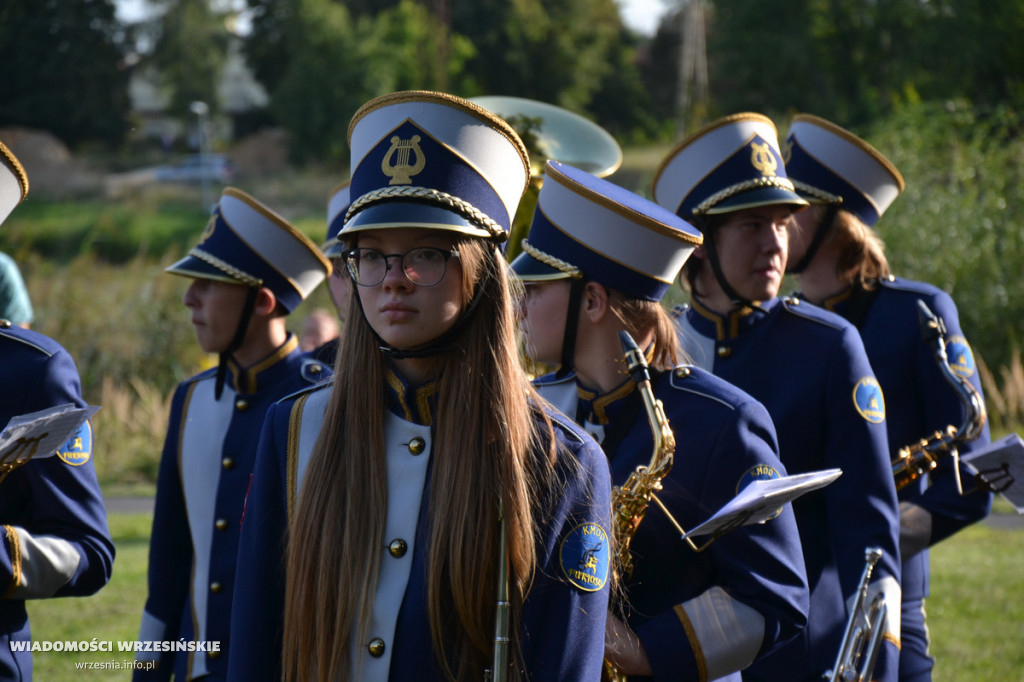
(238, 93)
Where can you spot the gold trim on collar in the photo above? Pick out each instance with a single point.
(423, 394)
(831, 302)
(600, 404)
(399, 388)
(246, 377)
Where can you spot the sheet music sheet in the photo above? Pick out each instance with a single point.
(51, 427)
(760, 500)
(1001, 464)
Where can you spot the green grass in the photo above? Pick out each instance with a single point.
(976, 611)
(112, 614)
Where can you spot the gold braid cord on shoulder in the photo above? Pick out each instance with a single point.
(15, 542)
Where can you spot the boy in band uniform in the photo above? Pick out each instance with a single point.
(249, 270)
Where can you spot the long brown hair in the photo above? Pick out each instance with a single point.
(485, 449)
(861, 252)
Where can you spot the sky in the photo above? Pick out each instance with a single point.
(640, 15)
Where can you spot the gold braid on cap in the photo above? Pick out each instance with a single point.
(460, 206)
(818, 193)
(227, 268)
(7, 156)
(548, 259)
(759, 183)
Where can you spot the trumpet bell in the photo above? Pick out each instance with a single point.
(558, 134)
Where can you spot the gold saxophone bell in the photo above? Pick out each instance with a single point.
(551, 133)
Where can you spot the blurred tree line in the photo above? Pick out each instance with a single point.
(66, 63)
(937, 85)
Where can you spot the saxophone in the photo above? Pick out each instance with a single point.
(631, 499)
(915, 460)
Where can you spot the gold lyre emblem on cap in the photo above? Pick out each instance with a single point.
(208, 230)
(787, 150)
(762, 158)
(400, 170)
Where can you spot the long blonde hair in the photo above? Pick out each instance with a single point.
(638, 316)
(486, 448)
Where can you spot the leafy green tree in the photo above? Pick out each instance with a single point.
(573, 53)
(337, 62)
(63, 69)
(190, 52)
(853, 61)
(957, 223)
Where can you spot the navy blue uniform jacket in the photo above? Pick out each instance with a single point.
(51, 509)
(204, 475)
(920, 401)
(809, 369)
(724, 440)
(562, 635)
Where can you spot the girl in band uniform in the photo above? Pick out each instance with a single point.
(841, 266)
(376, 514)
(598, 260)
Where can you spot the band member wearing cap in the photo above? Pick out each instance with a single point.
(695, 615)
(841, 265)
(806, 365)
(339, 285)
(249, 270)
(54, 525)
(399, 491)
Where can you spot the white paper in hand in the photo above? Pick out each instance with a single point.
(40, 434)
(761, 500)
(1001, 466)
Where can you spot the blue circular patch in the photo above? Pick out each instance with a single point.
(584, 556)
(758, 472)
(78, 449)
(961, 359)
(867, 398)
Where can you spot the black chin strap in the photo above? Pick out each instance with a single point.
(572, 318)
(236, 342)
(716, 267)
(819, 237)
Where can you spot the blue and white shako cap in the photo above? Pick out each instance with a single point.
(337, 207)
(729, 165)
(828, 164)
(246, 243)
(585, 226)
(433, 160)
(13, 182)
